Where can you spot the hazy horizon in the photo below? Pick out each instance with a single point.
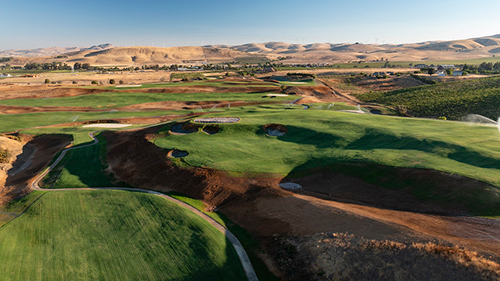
(41, 24)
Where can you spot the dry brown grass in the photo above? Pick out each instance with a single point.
(341, 256)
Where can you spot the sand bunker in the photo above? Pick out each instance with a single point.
(275, 130)
(128, 86)
(277, 95)
(107, 125)
(184, 128)
(215, 120)
(290, 185)
(177, 153)
(211, 129)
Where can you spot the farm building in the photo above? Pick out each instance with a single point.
(446, 66)
(421, 65)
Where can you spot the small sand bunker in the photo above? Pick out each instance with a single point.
(177, 153)
(215, 120)
(107, 125)
(184, 128)
(275, 130)
(290, 185)
(211, 129)
(128, 86)
(277, 95)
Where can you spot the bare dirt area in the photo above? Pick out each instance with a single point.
(320, 93)
(44, 91)
(385, 84)
(260, 206)
(135, 160)
(36, 154)
(332, 256)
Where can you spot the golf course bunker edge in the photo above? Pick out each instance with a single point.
(275, 130)
(174, 153)
(217, 120)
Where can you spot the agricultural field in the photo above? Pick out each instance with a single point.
(119, 236)
(452, 100)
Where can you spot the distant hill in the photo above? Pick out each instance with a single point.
(52, 51)
(137, 56)
(107, 54)
(333, 53)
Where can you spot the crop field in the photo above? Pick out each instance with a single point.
(13, 122)
(112, 100)
(119, 236)
(453, 100)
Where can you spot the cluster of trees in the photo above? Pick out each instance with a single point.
(5, 59)
(483, 68)
(84, 66)
(47, 66)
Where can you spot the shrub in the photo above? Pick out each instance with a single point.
(94, 82)
(47, 81)
(121, 82)
(111, 81)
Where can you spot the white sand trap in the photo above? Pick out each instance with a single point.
(107, 125)
(298, 83)
(290, 185)
(277, 95)
(128, 86)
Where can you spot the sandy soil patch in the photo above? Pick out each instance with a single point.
(277, 95)
(107, 126)
(128, 86)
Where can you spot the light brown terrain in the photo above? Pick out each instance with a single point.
(108, 55)
(333, 53)
(138, 56)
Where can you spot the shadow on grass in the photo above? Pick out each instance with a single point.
(376, 139)
(251, 245)
(410, 189)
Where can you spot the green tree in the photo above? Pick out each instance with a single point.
(47, 81)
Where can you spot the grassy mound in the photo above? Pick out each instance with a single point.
(318, 138)
(453, 100)
(113, 235)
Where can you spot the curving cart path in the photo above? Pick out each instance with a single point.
(245, 261)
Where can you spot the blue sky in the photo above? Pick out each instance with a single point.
(33, 24)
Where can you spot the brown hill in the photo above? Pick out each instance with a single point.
(333, 53)
(52, 51)
(137, 56)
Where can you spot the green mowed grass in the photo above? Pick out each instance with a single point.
(81, 167)
(113, 235)
(321, 138)
(16, 207)
(234, 84)
(317, 138)
(14, 122)
(112, 100)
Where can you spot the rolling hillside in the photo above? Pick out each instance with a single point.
(137, 56)
(453, 100)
